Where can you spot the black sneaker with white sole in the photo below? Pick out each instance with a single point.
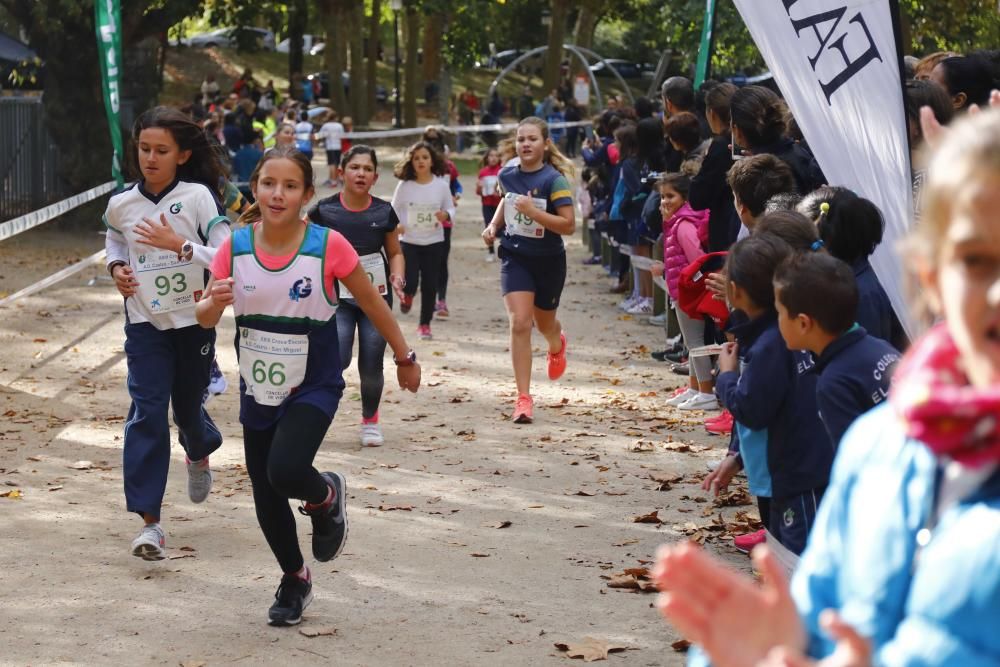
(292, 597)
(330, 523)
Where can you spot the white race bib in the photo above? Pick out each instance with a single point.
(518, 223)
(272, 364)
(489, 185)
(421, 217)
(374, 268)
(166, 284)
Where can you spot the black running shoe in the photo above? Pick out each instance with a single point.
(660, 355)
(330, 523)
(290, 600)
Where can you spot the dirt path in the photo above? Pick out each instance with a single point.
(429, 576)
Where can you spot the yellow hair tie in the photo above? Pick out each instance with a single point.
(824, 208)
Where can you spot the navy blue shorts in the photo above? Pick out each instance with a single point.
(544, 275)
(333, 158)
(793, 517)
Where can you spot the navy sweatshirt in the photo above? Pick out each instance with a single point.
(875, 312)
(785, 448)
(854, 375)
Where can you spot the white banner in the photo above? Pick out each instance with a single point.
(837, 64)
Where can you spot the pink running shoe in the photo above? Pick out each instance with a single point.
(746, 543)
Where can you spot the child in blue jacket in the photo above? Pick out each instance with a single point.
(786, 452)
(854, 367)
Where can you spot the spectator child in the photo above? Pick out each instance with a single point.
(331, 133)
(487, 187)
(854, 367)
(754, 180)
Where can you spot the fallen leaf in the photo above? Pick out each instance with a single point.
(625, 543)
(479, 555)
(82, 465)
(589, 649)
(642, 446)
(535, 507)
(652, 517)
(681, 645)
(179, 556)
(55, 488)
(498, 524)
(391, 508)
(584, 492)
(40, 340)
(326, 631)
(13, 494)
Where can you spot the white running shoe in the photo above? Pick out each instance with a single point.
(658, 320)
(199, 480)
(682, 397)
(491, 257)
(371, 435)
(150, 543)
(700, 401)
(643, 306)
(628, 302)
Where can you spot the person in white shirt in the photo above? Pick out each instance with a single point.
(332, 133)
(423, 204)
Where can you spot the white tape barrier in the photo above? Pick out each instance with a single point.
(705, 351)
(410, 131)
(642, 263)
(56, 277)
(41, 216)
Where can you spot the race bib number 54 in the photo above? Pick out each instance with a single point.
(272, 364)
(422, 217)
(518, 223)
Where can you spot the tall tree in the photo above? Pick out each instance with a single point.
(298, 19)
(332, 11)
(371, 65)
(410, 73)
(557, 33)
(432, 38)
(359, 94)
(587, 16)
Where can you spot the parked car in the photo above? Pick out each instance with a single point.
(626, 69)
(226, 37)
(381, 94)
(309, 42)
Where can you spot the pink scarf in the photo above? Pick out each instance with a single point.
(939, 407)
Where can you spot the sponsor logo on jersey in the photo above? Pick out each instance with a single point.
(142, 259)
(301, 289)
(155, 304)
(789, 517)
(176, 207)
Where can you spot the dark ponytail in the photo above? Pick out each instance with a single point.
(759, 114)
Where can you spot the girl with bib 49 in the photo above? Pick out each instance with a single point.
(162, 235)
(370, 225)
(536, 212)
(278, 273)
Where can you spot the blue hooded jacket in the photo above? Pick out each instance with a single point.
(932, 606)
(785, 448)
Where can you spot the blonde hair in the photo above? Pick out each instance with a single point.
(507, 149)
(552, 154)
(969, 154)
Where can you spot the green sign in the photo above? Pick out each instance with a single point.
(705, 48)
(107, 20)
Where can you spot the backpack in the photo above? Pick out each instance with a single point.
(693, 296)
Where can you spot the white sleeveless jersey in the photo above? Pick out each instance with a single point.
(168, 288)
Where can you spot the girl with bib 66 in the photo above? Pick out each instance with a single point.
(278, 273)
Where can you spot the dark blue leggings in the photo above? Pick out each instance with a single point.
(371, 353)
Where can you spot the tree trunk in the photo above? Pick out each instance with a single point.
(444, 72)
(586, 22)
(410, 74)
(359, 92)
(332, 18)
(298, 18)
(432, 39)
(557, 33)
(371, 69)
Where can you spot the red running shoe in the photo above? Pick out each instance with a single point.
(746, 543)
(524, 410)
(557, 361)
(721, 425)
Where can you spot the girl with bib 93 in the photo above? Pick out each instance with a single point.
(536, 212)
(278, 273)
(162, 235)
(370, 225)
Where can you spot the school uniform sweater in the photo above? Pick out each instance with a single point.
(785, 448)
(854, 375)
(875, 311)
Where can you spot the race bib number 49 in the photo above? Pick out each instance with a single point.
(272, 364)
(166, 284)
(518, 223)
(421, 217)
(374, 267)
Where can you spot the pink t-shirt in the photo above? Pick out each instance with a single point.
(340, 260)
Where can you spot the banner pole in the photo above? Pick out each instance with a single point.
(706, 46)
(107, 22)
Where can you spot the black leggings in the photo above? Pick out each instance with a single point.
(423, 264)
(443, 274)
(280, 465)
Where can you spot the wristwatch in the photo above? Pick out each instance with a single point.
(186, 253)
(408, 360)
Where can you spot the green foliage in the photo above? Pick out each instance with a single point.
(956, 25)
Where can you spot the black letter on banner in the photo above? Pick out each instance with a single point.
(814, 22)
(853, 66)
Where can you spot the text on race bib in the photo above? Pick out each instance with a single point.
(518, 223)
(489, 185)
(271, 364)
(422, 217)
(374, 267)
(166, 284)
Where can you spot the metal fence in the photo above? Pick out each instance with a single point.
(28, 158)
